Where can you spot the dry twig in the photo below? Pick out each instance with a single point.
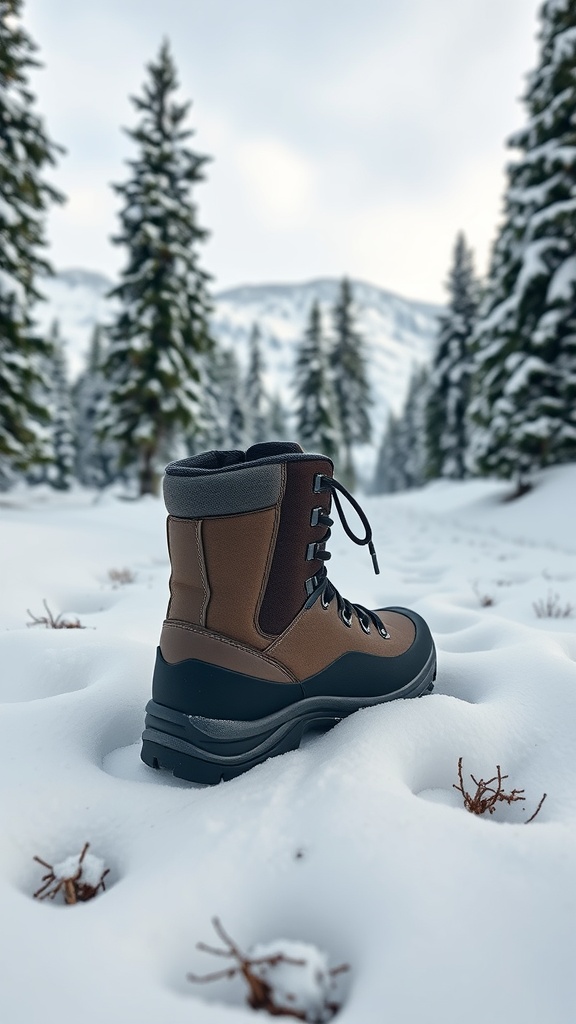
(119, 577)
(261, 994)
(50, 622)
(551, 608)
(75, 888)
(485, 600)
(490, 793)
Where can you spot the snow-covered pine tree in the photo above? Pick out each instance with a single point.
(316, 411)
(389, 475)
(234, 396)
(52, 391)
(96, 463)
(237, 413)
(212, 431)
(403, 452)
(278, 429)
(25, 150)
(351, 385)
(414, 427)
(225, 413)
(255, 393)
(522, 410)
(449, 396)
(60, 471)
(158, 338)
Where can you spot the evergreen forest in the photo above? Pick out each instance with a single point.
(498, 397)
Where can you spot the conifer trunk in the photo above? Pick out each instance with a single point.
(148, 477)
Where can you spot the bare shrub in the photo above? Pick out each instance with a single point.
(257, 972)
(551, 608)
(50, 622)
(490, 793)
(120, 577)
(80, 878)
(485, 600)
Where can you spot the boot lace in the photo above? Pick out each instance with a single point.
(319, 586)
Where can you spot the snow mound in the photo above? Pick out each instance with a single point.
(358, 840)
(299, 977)
(88, 869)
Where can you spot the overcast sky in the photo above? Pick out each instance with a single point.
(348, 136)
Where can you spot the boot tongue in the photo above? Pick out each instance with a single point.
(267, 448)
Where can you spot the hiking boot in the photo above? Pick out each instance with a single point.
(258, 644)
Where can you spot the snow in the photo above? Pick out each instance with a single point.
(550, 214)
(562, 283)
(357, 844)
(400, 333)
(533, 265)
(303, 984)
(89, 870)
(530, 367)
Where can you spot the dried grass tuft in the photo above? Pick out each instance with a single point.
(490, 793)
(261, 994)
(51, 622)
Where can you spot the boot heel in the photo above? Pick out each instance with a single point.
(192, 754)
(181, 765)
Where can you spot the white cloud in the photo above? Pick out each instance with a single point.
(346, 138)
(280, 182)
(398, 242)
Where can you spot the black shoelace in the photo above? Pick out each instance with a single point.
(319, 585)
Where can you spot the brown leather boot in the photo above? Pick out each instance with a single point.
(258, 644)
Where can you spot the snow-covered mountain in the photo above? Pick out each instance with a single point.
(78, 300)
(399, 332)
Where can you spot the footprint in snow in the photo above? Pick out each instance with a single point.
(41, 663)
(125, 763)
(82, 603)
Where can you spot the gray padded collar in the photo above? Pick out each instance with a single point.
(223, 493)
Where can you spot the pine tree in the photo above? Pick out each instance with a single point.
(278, 429)
(96, 462)
(25, 150)
(255, 393)
(389, 476)
(402, 457)
(161, 332)
(225, 412)
(316, 424)
(523, 408)
(237, 412)
(414, 424)
(60, 471)
(446, 419)
(351, 385)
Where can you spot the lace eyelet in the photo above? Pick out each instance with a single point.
(311, 584)
(315, 515)
(384, 633)
(365, 625)
(347, 620)
(325, 604)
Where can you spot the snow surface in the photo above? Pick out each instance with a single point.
(300, 981)
(357, 843)
(90, 870)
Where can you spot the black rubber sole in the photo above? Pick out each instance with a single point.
(208, 750)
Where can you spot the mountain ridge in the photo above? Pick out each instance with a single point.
(319, 283)
(399, 333)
